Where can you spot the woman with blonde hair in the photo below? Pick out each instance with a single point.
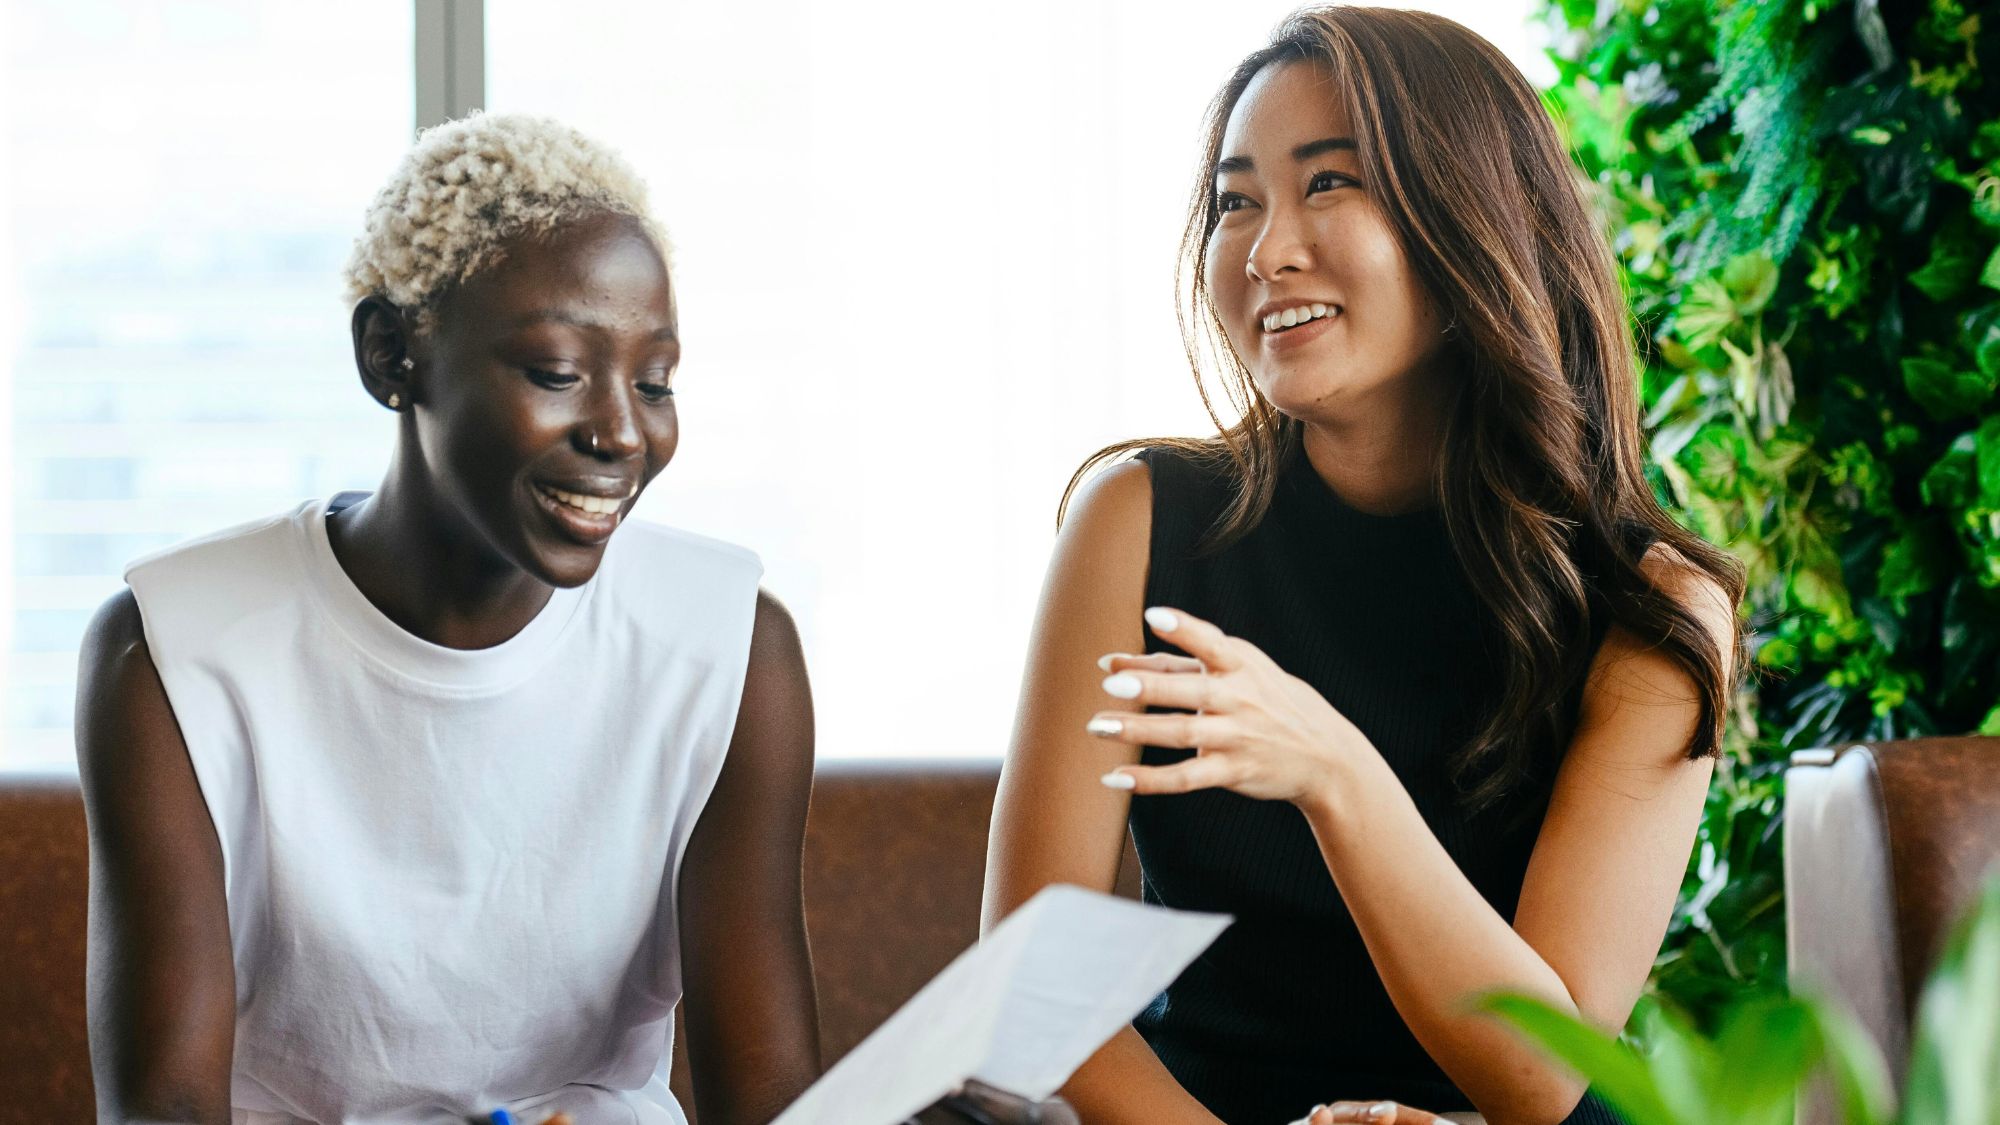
(429, 805)
(1408, 669)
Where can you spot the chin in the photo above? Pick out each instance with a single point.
(565, 565)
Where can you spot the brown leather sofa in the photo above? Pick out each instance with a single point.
(1886, 846)
(895, 852)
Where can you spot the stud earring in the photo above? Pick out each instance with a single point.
(408, 364)
(395, 401)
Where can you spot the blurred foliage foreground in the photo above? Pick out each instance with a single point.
(1805, 202)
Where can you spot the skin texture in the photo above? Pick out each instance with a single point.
(1601, 883)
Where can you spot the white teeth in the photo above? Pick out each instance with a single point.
(595, 505)
(1297, 315)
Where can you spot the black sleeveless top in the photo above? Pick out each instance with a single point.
(1286, 1010)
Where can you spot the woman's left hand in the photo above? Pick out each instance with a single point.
(1255, 728)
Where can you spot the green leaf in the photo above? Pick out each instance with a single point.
(1990, 275)
(1954, 258)
(1944, 391)
(1751, 279)
(1911, 565)
(1990, 725)
(1853, 1064)
(1706, 312)
(1953, 480)
(1613, 1071)
(1765, 1050)
(1988, 444)
(1956, 1055)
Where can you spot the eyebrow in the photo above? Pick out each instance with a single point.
(1300, 154)
(563, 316)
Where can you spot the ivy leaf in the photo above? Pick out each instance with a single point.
(1943, 391)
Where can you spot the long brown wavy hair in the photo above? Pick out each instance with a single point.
(1539, 479)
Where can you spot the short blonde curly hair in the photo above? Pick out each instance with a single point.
(467, 187)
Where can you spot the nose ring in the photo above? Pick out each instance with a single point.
(592, 439)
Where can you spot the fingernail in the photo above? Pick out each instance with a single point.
(1315, 1109)
(1104, 662)
(1163, 620)
(1117, 780)
(1122, 685)
(1380, 1110)
(1104, 728)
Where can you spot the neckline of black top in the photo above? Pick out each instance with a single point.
(1312, 491)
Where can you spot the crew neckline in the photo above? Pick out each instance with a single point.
(1310, 485)
(405, 653)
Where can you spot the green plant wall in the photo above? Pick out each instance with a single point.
(1805, 202)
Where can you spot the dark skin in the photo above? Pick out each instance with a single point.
(550, 369)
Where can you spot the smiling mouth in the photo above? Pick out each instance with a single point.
(584, 503)
(1281, 322)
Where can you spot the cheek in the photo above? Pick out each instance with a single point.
(1222, 272)
(487, 437)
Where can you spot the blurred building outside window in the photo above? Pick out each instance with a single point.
(924, 256)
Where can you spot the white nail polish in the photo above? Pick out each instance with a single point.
(1104, 662)
(1116, 780)
(1122, 686)
(1104, 728)
(1163, 620)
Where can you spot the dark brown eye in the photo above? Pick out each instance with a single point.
(553, 380)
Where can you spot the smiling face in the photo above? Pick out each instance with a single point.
(543, 402)
(1306, 274)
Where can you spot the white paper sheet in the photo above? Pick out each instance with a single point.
(1020, 1011)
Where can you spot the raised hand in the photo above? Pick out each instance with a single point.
(1256, 729)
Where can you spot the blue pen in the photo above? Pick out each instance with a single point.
(500, 1117)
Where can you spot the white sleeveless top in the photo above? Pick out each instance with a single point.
(451, 874)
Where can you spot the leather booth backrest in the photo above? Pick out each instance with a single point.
(1886, 846)
(44, 884)
(894, 860)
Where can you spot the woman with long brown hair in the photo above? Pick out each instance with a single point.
(1410, 673)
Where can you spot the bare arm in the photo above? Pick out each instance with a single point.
(753, 1040)
(1053, 822)
(162, 983)
(1597, 897)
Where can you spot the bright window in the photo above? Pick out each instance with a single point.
(925, 257)
(924, 251)
(183, 181)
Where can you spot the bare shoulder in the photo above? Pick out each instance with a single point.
(116, 631)
(774, 637)
(1674, 575)
(1640, 705)
(1114, 506)
(119, 689)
